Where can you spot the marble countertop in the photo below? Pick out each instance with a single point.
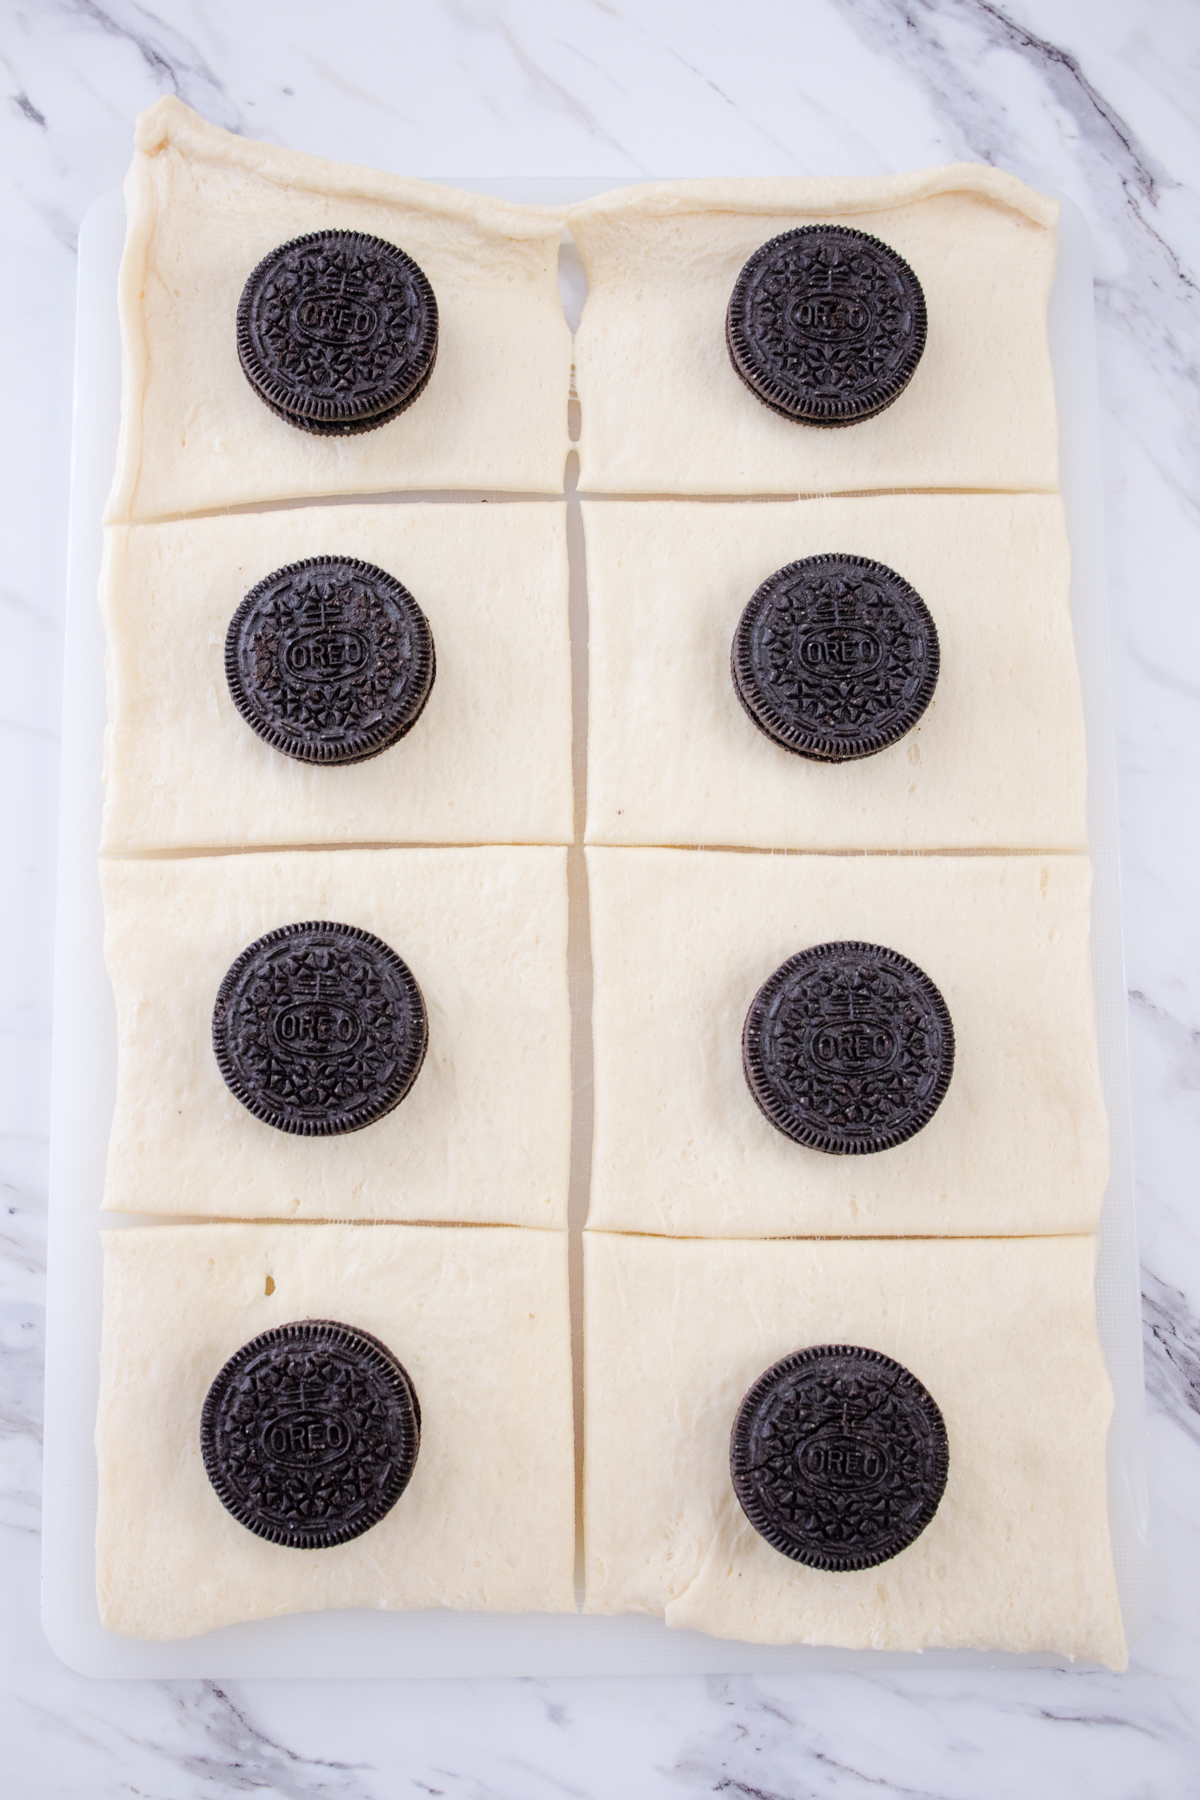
(1096, 100)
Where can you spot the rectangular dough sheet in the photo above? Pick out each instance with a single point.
(683, 940)
(482, 1137)
(1002, 1334)
(663, 411)
(479, 1320)
(996, 762)
(489, 760)
(203, 208)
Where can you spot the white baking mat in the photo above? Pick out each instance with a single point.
(440, 1643)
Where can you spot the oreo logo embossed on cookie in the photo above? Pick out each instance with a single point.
(839, 1457)
(310, 1433)
(826, 325)
(835, 657)
(848, 1048)
(330, 660)
(319, 1028)
(337, 332)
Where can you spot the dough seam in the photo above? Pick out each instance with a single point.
(170, 124)
(834, 194)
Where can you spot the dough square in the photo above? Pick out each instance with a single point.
(683, 940)
(663, 411)
(1002, 1334)
(482, 1137)
(479, 1320)
(488, 760)
(997, 760)
(203, 208)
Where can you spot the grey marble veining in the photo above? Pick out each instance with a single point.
(1097, 100)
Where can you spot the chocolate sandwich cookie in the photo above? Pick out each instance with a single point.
(839, 1457)
(310, 1433)
(826, 325)
(848, 1048)
(337, 332)
(835, 657)
(330, 660)
(319, 1028)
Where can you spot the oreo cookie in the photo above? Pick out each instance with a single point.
(330, 660)
(839, 1457)
(826, 325)
(319, 1029)
(848, 1048)
(310, 1434)
(337, 332)
(835, 657)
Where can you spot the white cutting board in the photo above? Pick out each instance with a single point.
(441, 1643)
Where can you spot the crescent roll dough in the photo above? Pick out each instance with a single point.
(1003, 1335)
(683, 940)
(482, 1137)
(203, 208)
(489, 760)
(664, 413)
(997, 761)
(479, 1320)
